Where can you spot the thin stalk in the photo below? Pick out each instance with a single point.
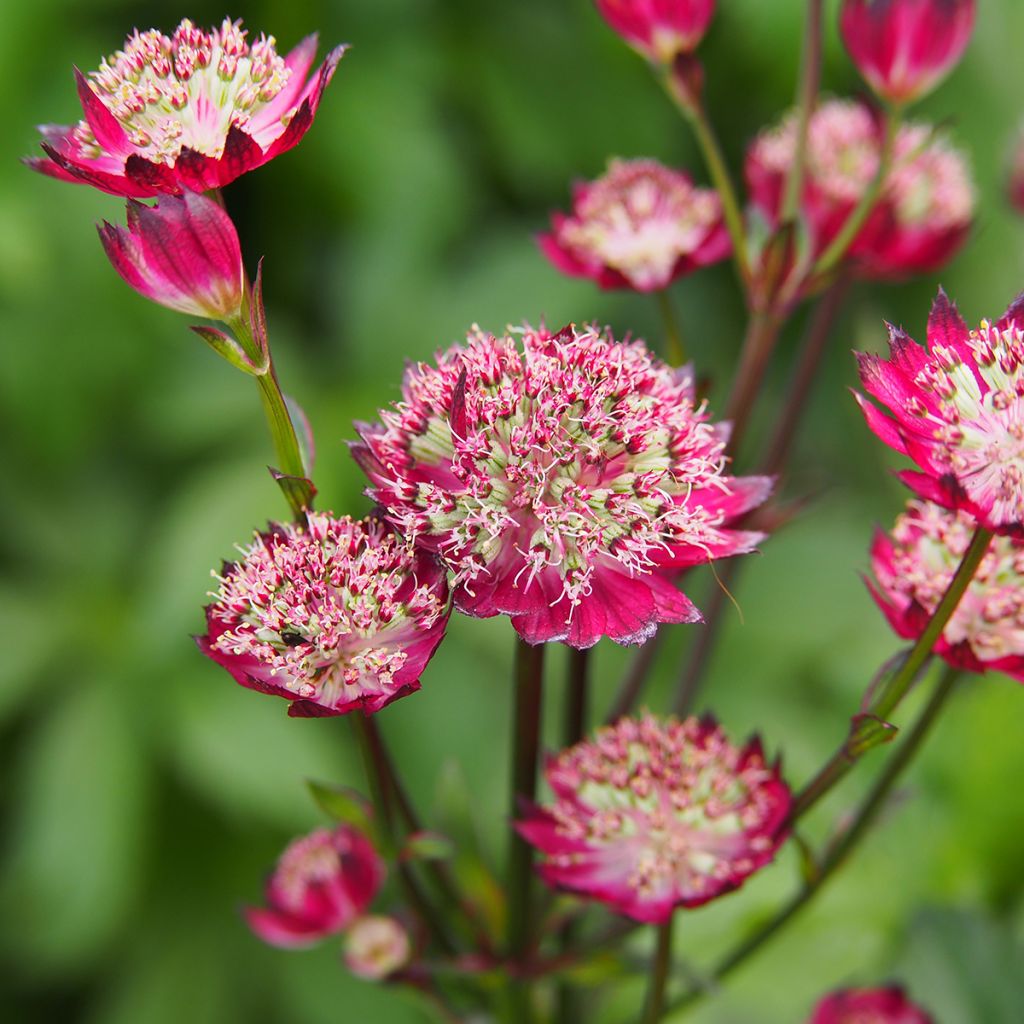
(282, 430)
(899, 684)
(655, 1004)
(705, 639)
(841, 848)
(675, 348)
(762, 333)
(636, 678)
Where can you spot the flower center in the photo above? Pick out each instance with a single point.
(307, 862)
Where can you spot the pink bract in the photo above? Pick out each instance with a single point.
(334, 616)
(659, 29)
(182, 252)
(190, 111)
(322, 883)
(913, 567)
(564, 478)
(904, 48)
(653, 814)
(639, 226)
(957, 411)
(868, 1006)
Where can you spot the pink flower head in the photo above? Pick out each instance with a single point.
(927, 201)
(640, 226)
(191, 111)
(957, 411)
(321, 884)
(333, 616)
(653, 814)
(182, 252)
(904, 48)
(562, 478)
(659, 29)
(376, 947)
(868, 1006)
(914, 565)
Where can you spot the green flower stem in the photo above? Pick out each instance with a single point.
(837, 853)
(633, 683)
(675, 349)
(899, 684)
(529, 671)
(762, 333)
(655, 1004)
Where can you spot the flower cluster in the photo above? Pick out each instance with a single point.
(958, 412)
(334, 615)
(639, 226)
(659, 29)
(322, 883)
(193, 110)
(868, 1006)
(561, 478)
(653, 814)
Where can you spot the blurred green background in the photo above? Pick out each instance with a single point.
(143, 795)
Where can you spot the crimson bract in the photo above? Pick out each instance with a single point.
(659, 29)
(868, 1006)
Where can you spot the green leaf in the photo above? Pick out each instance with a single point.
(427, 846)
(868, 732)
(343, 804)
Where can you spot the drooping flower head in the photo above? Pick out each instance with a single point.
(927, 201)
(321, 884)
(904, 48)
(659, 29)
(561, 477)
(868, 1006)
(913, 567)
(193, 110)
(182, 252)
(376, 946)
(334, 616)
(639, 226)
(652, 814)
(957, 411)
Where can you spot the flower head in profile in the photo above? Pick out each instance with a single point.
(957, 411)
(182, 252)
(639, 226)
(653, 814)
(868, 1006)
(914, 566)
(376, 946)
(322, 883)
(563, 478)
(193, 110)
(904, 48)
(335, 615)
(660, 30)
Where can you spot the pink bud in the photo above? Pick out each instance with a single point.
(904, 48)
(881, 1005)
(376, 947)
(659, 29)
(182, 252)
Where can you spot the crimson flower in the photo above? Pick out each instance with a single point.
(563, 478)
(868, 1006)
(334, 616)
(322, 883)
(957, 411)
(652, 814)
(191, 111)
(904, 48)
(659, 29)
(639, 226)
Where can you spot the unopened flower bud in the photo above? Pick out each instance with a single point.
(376, 946)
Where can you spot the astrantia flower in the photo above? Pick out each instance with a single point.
(913, 567)
(927, 201)
(321, 884)
(659, 29)
(182, 252)
(654, 814)
(334, 616)
(561, 478)
(958, 412)
(904, 48)
(640, 226)
(190, 111)
(868, 1006)
(376, 946)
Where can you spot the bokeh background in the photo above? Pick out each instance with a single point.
(143, 795)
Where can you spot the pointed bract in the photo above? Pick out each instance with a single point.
(659, 29)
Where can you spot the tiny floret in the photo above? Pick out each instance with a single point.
(192, 110)
(639, 226)
(334, 615)
(376, 946)
(652, 814)
(957, 411)
(913, 567)
(563, 478)
(322, 883)
(868, 1006)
